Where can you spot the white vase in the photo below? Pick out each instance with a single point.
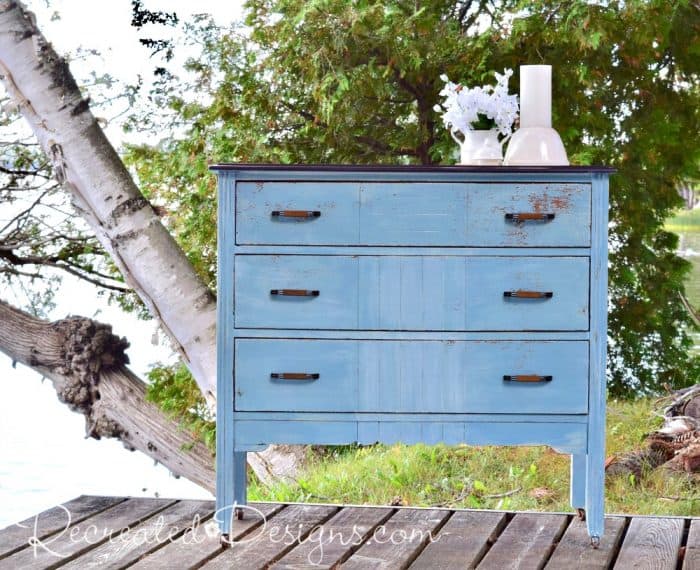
(481, 147)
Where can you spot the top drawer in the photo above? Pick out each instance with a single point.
(413, 214)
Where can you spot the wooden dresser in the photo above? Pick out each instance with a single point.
(413, 304)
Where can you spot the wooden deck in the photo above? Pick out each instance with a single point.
(118, 532)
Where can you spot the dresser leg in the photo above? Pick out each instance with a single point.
(240, 482)
(595, 481)
(578, 482)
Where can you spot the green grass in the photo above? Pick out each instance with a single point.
(535, 478)
(684, 221)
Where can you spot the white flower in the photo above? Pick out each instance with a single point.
(462, 107)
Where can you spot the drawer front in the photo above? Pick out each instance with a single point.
(335, 363)
(417, 214)
(450, 293)
(278, 291)
(412, 376)
(336, 203)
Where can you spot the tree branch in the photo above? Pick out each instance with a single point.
(87, 365)
(91, 276)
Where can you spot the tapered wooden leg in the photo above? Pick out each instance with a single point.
(595, 484)
(240, 483)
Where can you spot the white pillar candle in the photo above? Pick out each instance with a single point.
(535, 96)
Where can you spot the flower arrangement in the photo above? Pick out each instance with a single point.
(484, 107)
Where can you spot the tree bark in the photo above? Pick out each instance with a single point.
(45, 92)
(85, 163)
(87, 365)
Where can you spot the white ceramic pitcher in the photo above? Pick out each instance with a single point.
(481, 147)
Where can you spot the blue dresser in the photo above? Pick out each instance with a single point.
(413, 304)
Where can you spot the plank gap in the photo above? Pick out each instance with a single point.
(48, 534)
(684, 544)
(115, 531)
(252, 528)
(426, 540)
(301, 538)
(162, 544)
(355, 547)
(493, 539)
(620, 542)
(557, 539)
(238, 534)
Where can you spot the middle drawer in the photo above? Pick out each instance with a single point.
(422, 293)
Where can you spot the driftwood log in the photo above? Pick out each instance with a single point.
(87, 365)
(675, 446)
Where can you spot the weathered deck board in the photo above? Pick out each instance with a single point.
(652, 543)
(139, 540)
(574, 549)
(399, 541)
(200, 544)
(167, 533)
(463, 541)
(526, 542)
(64, 546)
(340, 537)
(691, 560)
(284, 530)
(15, 537)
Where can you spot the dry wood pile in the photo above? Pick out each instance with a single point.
(675, 446)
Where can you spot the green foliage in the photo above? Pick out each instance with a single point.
(356, 81)
(176, 393)
(534, 478)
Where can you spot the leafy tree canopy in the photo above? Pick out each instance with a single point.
(355, 81)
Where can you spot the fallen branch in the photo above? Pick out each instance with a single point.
(501, 495)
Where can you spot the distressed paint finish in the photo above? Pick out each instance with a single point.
(414, 376)
(226, 474)
(410, 334)
(413, 214)
(595, 459)
(420, 293)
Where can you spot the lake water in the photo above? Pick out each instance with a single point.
(689, 248)
(44, 456)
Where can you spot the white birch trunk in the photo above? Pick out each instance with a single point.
(46, 94)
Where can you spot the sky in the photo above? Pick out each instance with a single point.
(44, 456)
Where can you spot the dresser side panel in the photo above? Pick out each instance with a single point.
(225, 436)
(595, 469)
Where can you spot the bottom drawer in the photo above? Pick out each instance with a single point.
(489, 377)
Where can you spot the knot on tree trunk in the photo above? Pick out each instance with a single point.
(87, 348)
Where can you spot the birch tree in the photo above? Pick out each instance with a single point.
(43, 89)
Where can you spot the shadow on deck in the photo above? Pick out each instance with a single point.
(118, 532)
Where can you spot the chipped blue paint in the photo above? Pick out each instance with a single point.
(410, 335)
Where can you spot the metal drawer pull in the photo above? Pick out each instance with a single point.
(520, 294)
(296, 214)
(294, 376)
(529, 216)
(527, 378)
(294, 292)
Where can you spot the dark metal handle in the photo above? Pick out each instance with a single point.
(294, 376)
(521, 294)
(529, 216)
(305, 214)
(526, 378)
(294, 292)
